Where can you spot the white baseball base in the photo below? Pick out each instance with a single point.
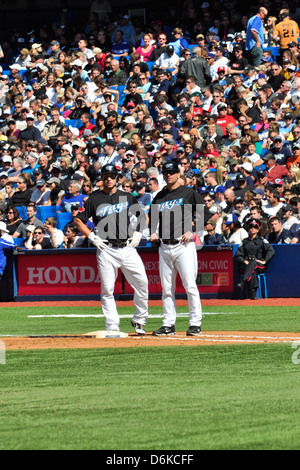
(106, 334)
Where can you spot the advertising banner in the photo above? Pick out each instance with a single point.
(60, 274)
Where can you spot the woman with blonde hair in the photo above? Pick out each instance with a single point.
(145, 50)
(269, 29)
(223, 178)
(295, 174)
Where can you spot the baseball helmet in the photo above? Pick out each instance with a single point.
(109, 169)
(170, 167)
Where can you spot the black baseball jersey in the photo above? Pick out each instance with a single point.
(177, 211)
(112, 215)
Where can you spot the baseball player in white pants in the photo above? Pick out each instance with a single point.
(173, 229)
(181, 258)
(110, 260)
(110, 210)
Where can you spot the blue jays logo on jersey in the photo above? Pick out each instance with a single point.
(105, 210)
(170, 204)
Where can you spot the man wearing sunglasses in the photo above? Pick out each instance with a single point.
(111, 211)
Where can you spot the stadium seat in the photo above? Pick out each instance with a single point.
(43, 212)
(19, 241)
(62, 219)
(274, 51)
(22, 211)
(262, 286)
(73, 122)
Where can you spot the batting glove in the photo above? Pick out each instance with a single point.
(135, 240)
(97, 241)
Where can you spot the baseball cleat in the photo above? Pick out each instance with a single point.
(194, 331)
(139, 329)
(165, 331)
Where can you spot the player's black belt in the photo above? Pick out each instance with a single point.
(171, 242)
(118, 245)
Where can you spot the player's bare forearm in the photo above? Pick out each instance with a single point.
(81, 227)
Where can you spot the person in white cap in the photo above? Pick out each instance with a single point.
(6, 243)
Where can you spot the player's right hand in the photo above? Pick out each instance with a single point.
(97, 241)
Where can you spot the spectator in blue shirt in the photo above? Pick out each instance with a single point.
(255, 36)
(119, 46)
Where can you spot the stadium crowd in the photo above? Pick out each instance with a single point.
(139, 94)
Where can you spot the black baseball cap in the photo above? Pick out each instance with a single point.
(170, 167)
(109, 169)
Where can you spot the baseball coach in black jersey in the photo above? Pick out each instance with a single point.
(176, 214)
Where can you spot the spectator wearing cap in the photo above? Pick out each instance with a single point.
(3, 181)
(6, 161)
(31, 163)
(168, 59)
(238, 63)
(295, 158)
(279, 150)
(128, 162)
(169, 149)
(41, 193)
(227, 226)
(55, 50)
(109, 154)
(220, 59)
(253, 256)
(224, 118)
(241, 185)
(288, 219)
(197, 67)
(285, 31)
(129, 128)
(143, 197)
(274, 170)
(211, 237)
(30, 132)
(216, 214)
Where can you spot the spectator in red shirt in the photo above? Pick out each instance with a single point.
(274, 170)
(224, 118)
(295, 158)
(86, 124)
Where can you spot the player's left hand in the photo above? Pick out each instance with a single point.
(135, 240)
(186, 237)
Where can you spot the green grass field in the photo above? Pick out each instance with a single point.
(179, 398)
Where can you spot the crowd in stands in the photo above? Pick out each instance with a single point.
(137, 94)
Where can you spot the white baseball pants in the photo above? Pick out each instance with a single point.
(181, 258)
(110, 260)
